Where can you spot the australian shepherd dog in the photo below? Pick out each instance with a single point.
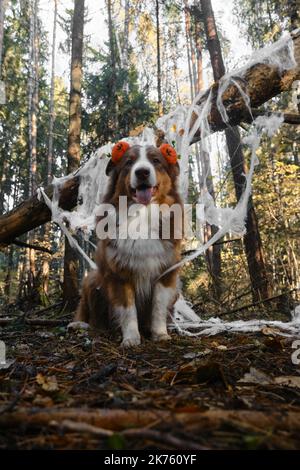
(131, 289)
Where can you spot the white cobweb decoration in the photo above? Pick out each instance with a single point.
(178, 130)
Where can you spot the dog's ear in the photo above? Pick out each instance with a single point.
(110, 167)
(174, 169)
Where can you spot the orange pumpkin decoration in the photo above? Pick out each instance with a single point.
(169, 153)
(118, 151)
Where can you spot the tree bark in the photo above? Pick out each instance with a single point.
(262, 81)
(213, 254)
(33, 103)
(252, 241)
(294, 13)
(187, 29)
(2, 11)
(71, 262)
(119, 420)
(47, 229)
(52, 88)
(126, 38)
(159, 95)
(113, 107)
(34, 212)
(33, 96)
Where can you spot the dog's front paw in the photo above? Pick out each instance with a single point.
(161, 337)
(131, 341)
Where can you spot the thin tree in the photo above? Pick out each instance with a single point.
(187, 33)
(113, 101)
(126, 40)
(252, 241)
(158, 56)
(33, 103)
(191, 48)
(71, 264)
(52, 89)
(293, 9)
(2, 11)
(213, 254)
(47, 230)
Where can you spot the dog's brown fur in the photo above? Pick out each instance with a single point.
(114, 285)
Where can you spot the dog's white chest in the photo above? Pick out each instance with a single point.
(148, 257)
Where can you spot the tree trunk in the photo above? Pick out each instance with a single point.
(34, 96)
(71, 263)
(113, 107)
(126, 40)
(294, 13)
(33, 103)
(263, 83)
(2, 85)
(159, 94)
(187, 29)
(191, 48)
(213, 254)
(47, 232)
(52, 88)
(199, 55)
(7, 281)
(252, 241)
(2, 11)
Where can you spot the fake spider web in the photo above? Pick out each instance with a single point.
(178, 130)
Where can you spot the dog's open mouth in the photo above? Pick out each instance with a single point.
(143, 193)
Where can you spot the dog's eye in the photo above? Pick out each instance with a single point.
(129, 163)
(156, 160)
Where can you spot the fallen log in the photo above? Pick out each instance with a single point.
(34, 212)
(118, 420)
(261, 81)
(137, 433)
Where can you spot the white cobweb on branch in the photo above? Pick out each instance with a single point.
(180, 127)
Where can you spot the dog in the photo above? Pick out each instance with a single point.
(131, 288)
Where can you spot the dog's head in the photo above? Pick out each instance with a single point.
(144, 174)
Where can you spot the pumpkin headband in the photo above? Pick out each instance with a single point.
(120, 148)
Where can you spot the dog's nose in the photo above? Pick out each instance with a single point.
(142, 173)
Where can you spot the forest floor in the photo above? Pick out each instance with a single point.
(68, 390)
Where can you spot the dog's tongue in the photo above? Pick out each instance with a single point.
(144, 195)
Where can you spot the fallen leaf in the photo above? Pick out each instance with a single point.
(195, 373)
(256, 376)
(288, 381)
(49, 384)
(268, 331)
(194, 355)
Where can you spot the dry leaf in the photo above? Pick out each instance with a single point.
(268, 331)
(288, 381)
(194, 355)
(49, 384)
(256, 376)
